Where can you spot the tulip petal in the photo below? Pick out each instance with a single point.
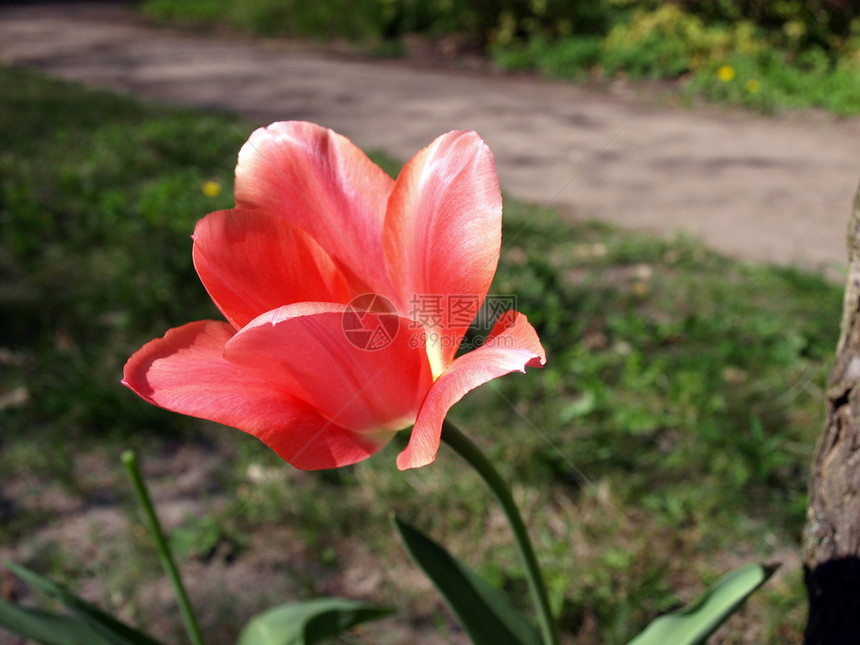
(253, 261)
(185, 372)
(511, 346)
(443, 232)
(362, 382)
(319, 180)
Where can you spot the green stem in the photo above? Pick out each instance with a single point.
(464, 447)
(129, 460)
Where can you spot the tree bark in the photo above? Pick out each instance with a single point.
(831, 541)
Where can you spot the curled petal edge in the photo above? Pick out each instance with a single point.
(512, 346)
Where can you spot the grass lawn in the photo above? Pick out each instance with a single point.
(667, 440)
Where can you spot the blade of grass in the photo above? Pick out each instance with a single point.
(129, 460)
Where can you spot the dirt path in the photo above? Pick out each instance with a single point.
(773, 190)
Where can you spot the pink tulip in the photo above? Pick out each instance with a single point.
(316, 226)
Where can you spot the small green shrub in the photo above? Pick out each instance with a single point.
(567, 58)
(766, 82)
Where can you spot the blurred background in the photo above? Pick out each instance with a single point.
(789, 54)
(667, 440)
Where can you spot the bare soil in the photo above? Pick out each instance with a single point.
(91, 536)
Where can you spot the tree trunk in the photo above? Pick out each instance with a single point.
(831, 541)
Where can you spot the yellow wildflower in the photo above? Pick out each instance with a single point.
(211, 188)
(726, 73)
(753, 86)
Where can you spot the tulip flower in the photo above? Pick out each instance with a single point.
(317, 227)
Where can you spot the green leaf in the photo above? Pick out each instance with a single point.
(48, 628)
(101, 622)
(701, 618)
(483, 611)
(305, 623)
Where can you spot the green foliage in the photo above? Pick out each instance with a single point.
(47, 628)
(295, 623)
(673, 377)
(370, 20)
(309, 622)
(696, 622)
(199, 537)
(658, 43)
(566, 58)
(96, 206)
(765, 82)
(803, 23)
(484, 612)
(770, 70)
